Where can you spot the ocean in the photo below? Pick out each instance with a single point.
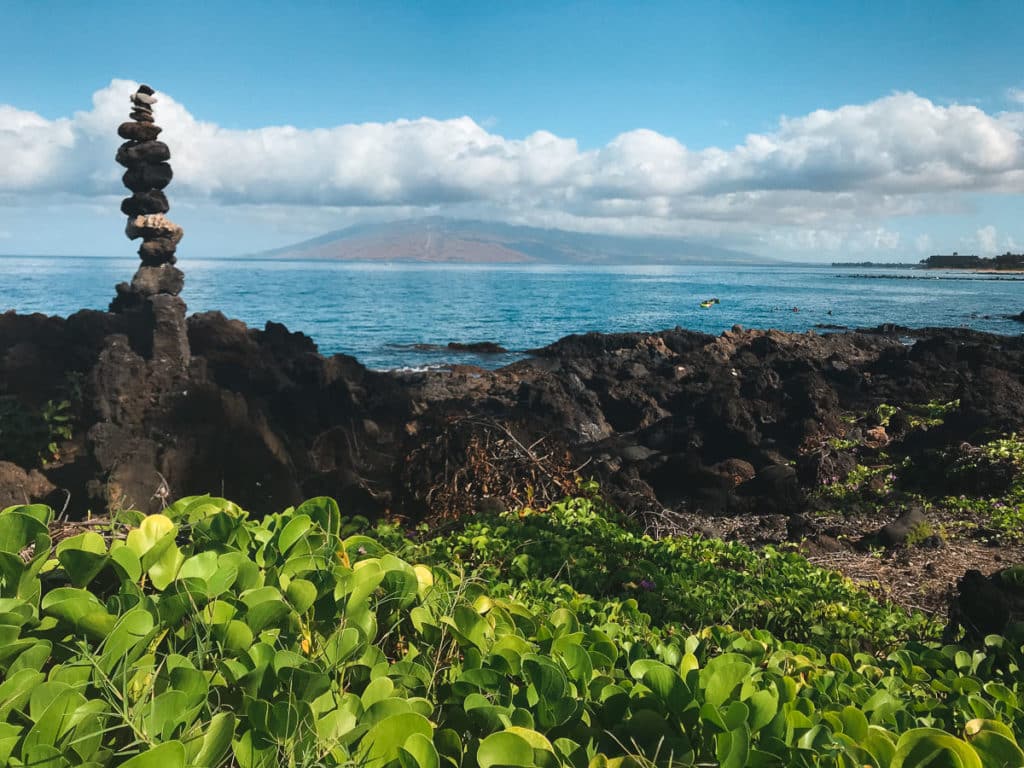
(403, 315)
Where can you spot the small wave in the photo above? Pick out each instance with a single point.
(414, 368)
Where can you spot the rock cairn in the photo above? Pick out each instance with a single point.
(147, 175)
(155, 287)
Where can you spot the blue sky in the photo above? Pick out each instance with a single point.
(698, 76)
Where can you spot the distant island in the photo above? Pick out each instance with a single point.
(1007, 262)
(444, 240)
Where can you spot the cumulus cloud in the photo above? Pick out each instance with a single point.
(987, 238)
(834, 175)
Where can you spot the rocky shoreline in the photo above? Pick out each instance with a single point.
(726, 425)
(676, 426)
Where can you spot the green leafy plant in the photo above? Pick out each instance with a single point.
(1004, 513)
(57, 418)
(930, 414)
(29, 437)
(201, 637)
(885, 412)
(921, 534)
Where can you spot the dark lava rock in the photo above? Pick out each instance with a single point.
(170, 334)
(896, 533)
(156, 252)
(146, 177)
(825, 467)
(995, 397)
(149, 281)
(134, 131)
(636, 453)
(132, 154)
(143, 88)
(18, 486)
(776, 488)
(126, 299)
(141, 115)
(736, 470)
(1019, 318)
(146, 202)
(799, 527)
(960, 469)
(988, 605)
(478, 347)
(899, 426)
(489, 505)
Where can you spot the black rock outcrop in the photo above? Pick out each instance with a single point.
(677, 419)
(988, 605)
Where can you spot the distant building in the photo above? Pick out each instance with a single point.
(1010, 261)
(956, 261)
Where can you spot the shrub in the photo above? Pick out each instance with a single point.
(199, 637)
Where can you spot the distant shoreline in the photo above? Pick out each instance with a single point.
(923, 268)
(580, 265)
(994, 276)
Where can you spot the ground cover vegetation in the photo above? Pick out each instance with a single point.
(971, 488)
(202, 637)
(33, 436)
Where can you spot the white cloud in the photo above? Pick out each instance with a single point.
(1015, 95)
(829, 179)
(987, 239)
(851, 240)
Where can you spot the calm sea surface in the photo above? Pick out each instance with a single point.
(378, 312)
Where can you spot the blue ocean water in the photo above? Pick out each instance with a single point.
(382, 313)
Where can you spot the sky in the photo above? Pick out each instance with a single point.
(801, 130)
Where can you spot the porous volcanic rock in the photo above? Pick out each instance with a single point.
(133, 131)
(158, 251)
(897, 533)
(134, 154)
(478, 347)
(154, 226)
(143, 178)
(988, 605)
(170, 335)
(142, 203)
(18, 486)
(149, 281)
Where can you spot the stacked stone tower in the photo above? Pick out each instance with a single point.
(154, 289)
